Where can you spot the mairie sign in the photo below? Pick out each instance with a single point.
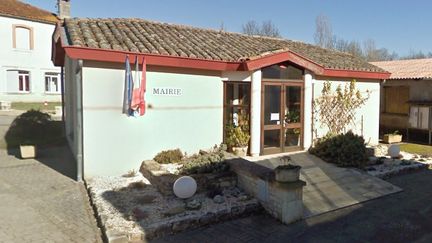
(167, 91)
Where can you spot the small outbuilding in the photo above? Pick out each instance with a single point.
(198, 80)
(406, 97)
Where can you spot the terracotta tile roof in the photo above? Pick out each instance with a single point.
(407, 69)
(137, 35)
(18, 9)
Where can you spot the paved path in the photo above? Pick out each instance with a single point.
(38, 204)
(329, 187)
(400, 217)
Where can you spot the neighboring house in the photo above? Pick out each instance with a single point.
(406, 95)
(198, 80)
(26, 72)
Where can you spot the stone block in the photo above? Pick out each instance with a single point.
(292, 211)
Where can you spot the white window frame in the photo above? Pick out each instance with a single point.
(17, 78)
(47, 85)
(24, 74)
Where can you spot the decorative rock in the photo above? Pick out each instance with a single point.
(243, 197)
(183, 224)
(218, 199)
(185, 187)
(394, 151)
(145, 199)
(139, 214)
(175, 210)
(193, 204)
(207, 218)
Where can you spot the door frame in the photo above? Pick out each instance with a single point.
(283, 84)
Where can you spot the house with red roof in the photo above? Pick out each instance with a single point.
(197, 81)
(406, 97)
(26, 72)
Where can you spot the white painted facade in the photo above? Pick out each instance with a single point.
(367, 116)
(29, 56)
(113, 143)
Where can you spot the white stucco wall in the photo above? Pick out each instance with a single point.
(36, 61)
(70, 113)
(368, 114)
(115, 143)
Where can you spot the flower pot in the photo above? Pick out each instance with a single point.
(287, 173)
(28, 151)
(240, 151)
(392, 138)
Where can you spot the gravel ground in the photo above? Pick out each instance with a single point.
(131, 206)
(387, 166)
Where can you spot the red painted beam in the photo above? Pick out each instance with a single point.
(152, 59)
(355, 74)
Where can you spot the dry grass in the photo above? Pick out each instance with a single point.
(420, 149)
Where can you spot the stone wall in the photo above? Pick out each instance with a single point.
(164, 180)
(283, 201)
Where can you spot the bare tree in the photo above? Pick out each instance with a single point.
(323, 32)
(222, 26)
(251, 28)
(267, 28)
(417, 55)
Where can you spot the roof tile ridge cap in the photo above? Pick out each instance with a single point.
(265, 54)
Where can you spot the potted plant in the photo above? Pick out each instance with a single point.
(287, 173)
(237, 139)
(292, 137)
(292, 116)
(27, 150)
(394, 137)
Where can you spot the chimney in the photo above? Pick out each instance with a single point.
(63, 7)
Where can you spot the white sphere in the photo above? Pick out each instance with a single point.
(394, 151)
(185, 187)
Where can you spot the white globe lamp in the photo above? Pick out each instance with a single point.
(185, 187)
(394, 151)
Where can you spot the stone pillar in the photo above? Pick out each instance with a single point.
(307, 133)
(255, 116)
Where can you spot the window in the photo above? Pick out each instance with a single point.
(282, 71)
(18, 81)
(52, 83)
(237, 104)
(396, 99)
(22, 37)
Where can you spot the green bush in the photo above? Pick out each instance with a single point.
(345, 150)
(236, 136)
(205, 162)
(169, 156)
(34, 128)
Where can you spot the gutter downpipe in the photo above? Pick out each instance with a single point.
(63, 96)
(79, 114)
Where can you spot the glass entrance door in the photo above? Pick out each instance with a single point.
(282, 115)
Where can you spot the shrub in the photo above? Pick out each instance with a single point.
(236, 136)
(346, 150)
(169, 156)
(210, 162)
(34, 128)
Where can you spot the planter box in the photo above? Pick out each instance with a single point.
(240, 151)
(5, 105)
(392, 138)
(28, 151)
(287, 173)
